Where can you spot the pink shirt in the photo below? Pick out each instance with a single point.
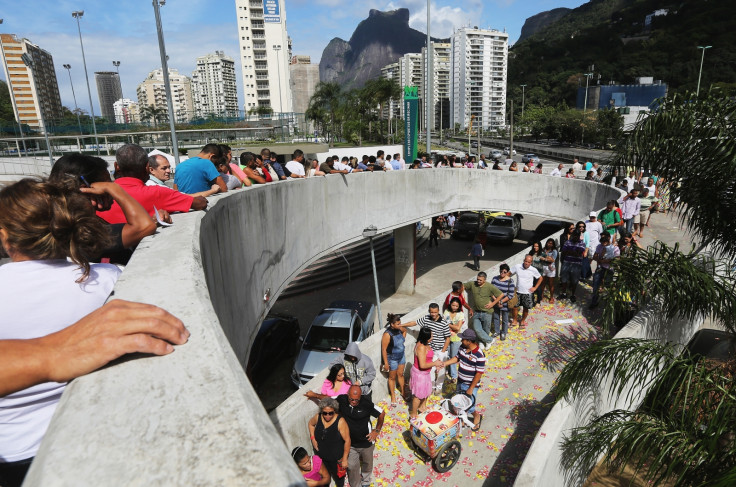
(328, 390)
(238, 172)
(314, 473)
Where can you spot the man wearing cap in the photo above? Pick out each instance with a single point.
(594, 230)
(472, 365)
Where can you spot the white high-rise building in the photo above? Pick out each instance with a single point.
(152, 92)
(214, 90)
(393, 107)
(440, 99)
(410, 74)
(264, 56)
(126, 111)
(479, 65)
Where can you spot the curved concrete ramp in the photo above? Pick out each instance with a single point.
(192, 418)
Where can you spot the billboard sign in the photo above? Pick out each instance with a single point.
(411, 118)
(271, 11)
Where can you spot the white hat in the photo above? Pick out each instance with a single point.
(593, 214)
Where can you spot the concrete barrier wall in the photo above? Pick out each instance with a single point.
(192, 418)
(542, 466)
(359, 151)
(24, 166)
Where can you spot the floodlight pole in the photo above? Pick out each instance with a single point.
(78, 15)
(167, 84)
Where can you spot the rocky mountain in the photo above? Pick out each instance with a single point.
(379, 40)
(538, 22)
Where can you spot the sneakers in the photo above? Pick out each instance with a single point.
(495, 334)
(573, 299)
(503, 336)
(562, 296)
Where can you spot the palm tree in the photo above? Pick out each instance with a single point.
(381, 91)
(326, 100)
(684, 430)
(151, 112)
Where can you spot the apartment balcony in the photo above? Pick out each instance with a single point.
(257, 24)
(256, 4)
(256, 14)
(259, 46)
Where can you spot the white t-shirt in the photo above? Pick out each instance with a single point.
(41, 297)
(630, 182)
(339, 166)
(556, 172)
(594, 231)
(295, 167)
(231, 181)
(525, 278)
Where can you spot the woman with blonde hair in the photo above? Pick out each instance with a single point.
(51, 233)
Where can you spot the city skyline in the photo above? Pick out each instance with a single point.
(126, 31)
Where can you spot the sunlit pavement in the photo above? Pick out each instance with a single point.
(514, 398)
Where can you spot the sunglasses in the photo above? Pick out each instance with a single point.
(328, 413)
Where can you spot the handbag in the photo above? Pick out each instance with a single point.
(514, 302)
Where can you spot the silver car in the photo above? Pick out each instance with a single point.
(329, 334)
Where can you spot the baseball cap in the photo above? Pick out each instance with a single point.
(469, 335)
(593, 214)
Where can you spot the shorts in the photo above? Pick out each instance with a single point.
(570, 272)
(526, 301)
(549, 271)
(394, 360)
(641, 217)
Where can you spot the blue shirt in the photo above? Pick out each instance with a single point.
(395, 164)
(195, 175)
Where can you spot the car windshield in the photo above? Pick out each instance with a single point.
(327, 338)
(502, 222)
(468, 218)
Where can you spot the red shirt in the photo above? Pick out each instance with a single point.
(148, 196)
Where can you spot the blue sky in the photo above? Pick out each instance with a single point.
(125, 31)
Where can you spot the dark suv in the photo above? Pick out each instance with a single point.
(468, 225)
(277, 338)
(547, 228)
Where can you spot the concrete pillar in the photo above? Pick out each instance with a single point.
(79, 145)
(405, 239)
(107, 146)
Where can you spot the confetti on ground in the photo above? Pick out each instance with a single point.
(514, 397)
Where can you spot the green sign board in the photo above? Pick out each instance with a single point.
(411, 118)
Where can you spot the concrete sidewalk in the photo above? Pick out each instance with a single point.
(514, 395)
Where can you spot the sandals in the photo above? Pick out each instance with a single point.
(477, 426)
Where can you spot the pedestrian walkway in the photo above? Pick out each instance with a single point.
(514, 399)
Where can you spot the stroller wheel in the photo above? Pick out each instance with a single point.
(447, 456)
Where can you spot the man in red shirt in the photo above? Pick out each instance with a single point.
(131, 171)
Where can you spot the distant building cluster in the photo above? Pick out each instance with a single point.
(629, 100)
(468, 80)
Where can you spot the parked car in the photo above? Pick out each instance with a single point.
(468, 224)
(277, 338)
(547, 228)
(506, 151)
(474, 144)
(495, 154)
(529, 157)
(341, 323)
(504, 228)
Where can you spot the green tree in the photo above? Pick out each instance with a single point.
(152, 113)
(323, 107)
(684, 431)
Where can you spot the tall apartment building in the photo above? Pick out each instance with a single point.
(304, 78)
(151, 92)
(108, 91)
(479, 61)
(214, 90)
(393, 107)
(35, 90)
(410, 74)
(126, 111)
(265, 51)
(440, 96)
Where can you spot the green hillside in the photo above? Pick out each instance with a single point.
(611, 35)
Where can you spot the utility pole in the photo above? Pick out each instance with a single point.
(428, 92)
(700, 73)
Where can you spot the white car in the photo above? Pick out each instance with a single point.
(506, 151)
(495, 154)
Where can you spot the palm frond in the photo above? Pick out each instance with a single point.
(691, 143)
(688, 285)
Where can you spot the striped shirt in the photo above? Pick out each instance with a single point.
(507, 287)
(469, 364)
(440, 331)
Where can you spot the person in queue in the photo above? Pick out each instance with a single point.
(92, 173)
(392, 352)
(359, 368)
(311, 467)
(471, 366)
(330, 438)
(334, 385)
(199, 173)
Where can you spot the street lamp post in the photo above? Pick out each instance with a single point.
(77, 14)
(28, 61)
(585, 107)
(12, 100)
(523, 121)
(117, 70)
(429, 92)
(370, 233)
(167, 84)
(68, 68)
(700, 73)
(277, 48)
